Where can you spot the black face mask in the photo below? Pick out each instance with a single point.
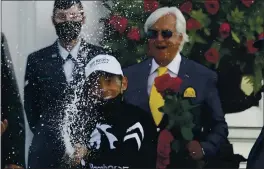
(114, 101)
(111, 104)
(68, 31)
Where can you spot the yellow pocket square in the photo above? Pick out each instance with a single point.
(189, 92)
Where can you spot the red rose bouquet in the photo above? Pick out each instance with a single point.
(178, 109)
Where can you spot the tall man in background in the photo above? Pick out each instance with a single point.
(51, 70)
(166, 33)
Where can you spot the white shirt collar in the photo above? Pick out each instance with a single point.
(74, 52)
(173, 66)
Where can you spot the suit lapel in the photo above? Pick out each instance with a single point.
(142, 84)
(57, 62)
(82, 53)
(183, 74)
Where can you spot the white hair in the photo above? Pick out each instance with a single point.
(180, 21)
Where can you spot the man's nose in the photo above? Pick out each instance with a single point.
(160, 37)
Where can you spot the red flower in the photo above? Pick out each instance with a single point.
(250, 47)
(164, 149)
(224, 30)
(119, 23)
(166, 82)
(193, 24)
(150, 5)
(212, 6)
(261, 36)
(212, 55)
(186, 7)
(247, 3)
(134, 34)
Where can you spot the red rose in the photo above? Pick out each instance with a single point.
(160, 82)
(250, 47)
(212, 6)
(150, 5)
(134, 34)
(186, 7)
(193, 24)
(261, 36)
(247, 3)
(174, 84)
(166, 82)
(212, 55)
(119, 23)
(164, 149)
(224, 30)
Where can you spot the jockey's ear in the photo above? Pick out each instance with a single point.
(124, 83)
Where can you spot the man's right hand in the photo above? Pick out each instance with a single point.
(13, 166)
(4, 125)
(79, 153)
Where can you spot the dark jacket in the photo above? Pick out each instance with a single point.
(125, 141)
(132, 130)
(256, 155)
(194, 75)
(45, 81)
(211, 128)
(13, 140)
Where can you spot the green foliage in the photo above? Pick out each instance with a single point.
(246, 23)
(201, 17)
(236, 16)
(179, 114)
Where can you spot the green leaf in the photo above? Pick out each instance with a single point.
(259, 20)
(237, 16)
(216, 45)
(140, 50)
(187, 133)
(201, 17)
(142, 32)
(259, 29)
(171, 123)
(225, 52)
(235, 37)
(199, 39)
(251, 22)
(186, 105)
(168, 97)
(207, 32)
(229, 18)
(169, 108)
(176, 145)
(188, 118)
(250, 35)
(247, 85)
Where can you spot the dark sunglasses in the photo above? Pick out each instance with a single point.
(153, 34)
